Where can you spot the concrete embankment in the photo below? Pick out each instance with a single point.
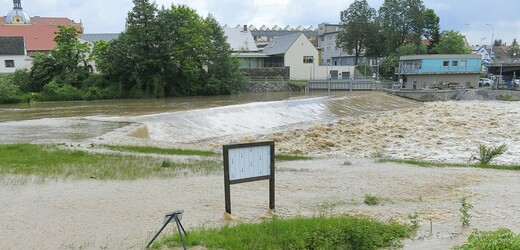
(459, 95)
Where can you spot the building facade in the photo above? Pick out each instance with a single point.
(38, 32)
(330, 53)
(439, 71)
(13, 55)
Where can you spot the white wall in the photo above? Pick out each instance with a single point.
(20, 62)
(294, 59)
(322, 72)
(309, 71)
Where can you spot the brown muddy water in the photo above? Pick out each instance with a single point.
(185, 119)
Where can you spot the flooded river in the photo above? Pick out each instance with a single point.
(185, 119)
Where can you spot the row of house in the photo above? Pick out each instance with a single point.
(305, 53)
(294, 51)
(290, 48)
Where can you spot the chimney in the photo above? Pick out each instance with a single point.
(245, 27)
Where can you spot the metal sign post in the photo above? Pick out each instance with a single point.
(177, 216)
(248, 162)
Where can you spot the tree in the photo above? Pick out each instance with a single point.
(514, 49)
(498, 42)
(432, 32)
(169, 52)
(43, 70)
(357, 24)
(224, 75)
(407, 21)
(71, 56)
(451, 42)
(141, 42)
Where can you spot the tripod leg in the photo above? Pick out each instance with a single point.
(160, 230)
(179, 228)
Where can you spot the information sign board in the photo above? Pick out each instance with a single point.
(248, 162)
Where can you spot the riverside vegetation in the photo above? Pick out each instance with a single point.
(156, 56)
(64, 161)
(297, 233)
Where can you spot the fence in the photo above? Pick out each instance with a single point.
(342, 84)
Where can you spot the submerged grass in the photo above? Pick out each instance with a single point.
(282, 157)
(437, 164)
(156, 150)
(51, 161)
(297, 233)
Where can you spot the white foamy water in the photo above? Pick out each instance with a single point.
(199, 123)
(256, 118)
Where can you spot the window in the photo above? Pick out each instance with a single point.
(463, 63)
(412, 65)
(9, 63)
(446, 63)
(455, 63)
(308, 59)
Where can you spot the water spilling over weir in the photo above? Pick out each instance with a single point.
(191, 122)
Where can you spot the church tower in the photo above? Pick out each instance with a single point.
(17, 15)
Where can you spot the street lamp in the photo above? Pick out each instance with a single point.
(492, 37)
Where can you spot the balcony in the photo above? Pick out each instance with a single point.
(438, 70)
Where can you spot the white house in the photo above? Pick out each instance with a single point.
(13, 54)
(293, 51)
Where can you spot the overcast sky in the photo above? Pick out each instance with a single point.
(470, 17)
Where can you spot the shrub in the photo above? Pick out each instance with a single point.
(20, 78)
(92, 93)
(486, 155)
(371, 200)
(54, 92)
(8, 91)
(502, 238)
(465, 206)
(297, 233)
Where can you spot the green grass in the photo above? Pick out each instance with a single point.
(438, 164)
(52, 161)
(155, 150)
(174, 151)
(282, 157)
(501, 238)
(297, 233)
(371, 200)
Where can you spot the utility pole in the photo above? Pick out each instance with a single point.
(492, 38)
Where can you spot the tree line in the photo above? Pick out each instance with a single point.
(163, 52)
(398, 28)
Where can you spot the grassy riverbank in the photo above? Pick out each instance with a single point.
(59, 161)
(298, 233)
(54, 161)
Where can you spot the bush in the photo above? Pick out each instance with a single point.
(30, 97)
(54, 92)
(486, 155)
(371, 200)
(8, 91)
(500, 239)
(20, 78)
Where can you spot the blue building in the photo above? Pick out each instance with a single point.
(439, 71)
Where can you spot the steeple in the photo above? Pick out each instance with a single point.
(17, 15)
(17, 4)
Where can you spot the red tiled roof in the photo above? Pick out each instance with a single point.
(37, 20)
(39, 35)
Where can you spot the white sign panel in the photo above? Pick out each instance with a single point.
(249, 162)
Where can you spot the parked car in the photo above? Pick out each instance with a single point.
(485, 82)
